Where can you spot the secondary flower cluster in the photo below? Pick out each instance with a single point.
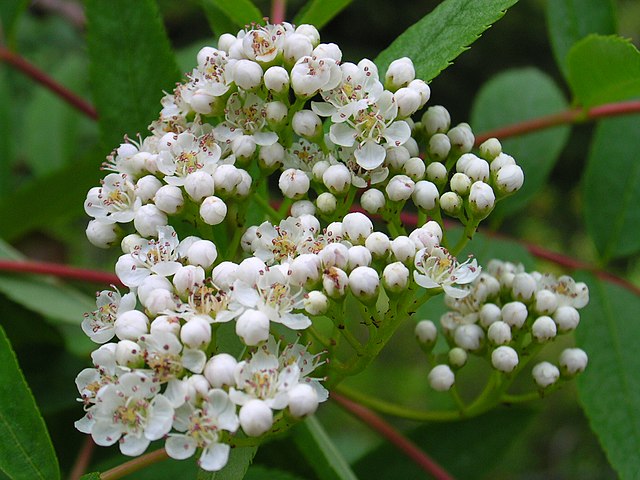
(508, 313)
(270, 100)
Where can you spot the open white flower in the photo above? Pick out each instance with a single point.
(281, 243)
(436, 268)
(99, 325)
(245, 114)
(312, 74)
(115, 201)
(185, 154)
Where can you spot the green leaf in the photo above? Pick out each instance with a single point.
(240, 12)
(433, 42)
(487, 247)
(320, 12)
(609, 388)
(572, 20)
(612, 187)
(258, 472)
(512, 97)
(26, 451)
(60, 194)
(10, 12)
(239, 460)
(219, 22)
(320, 451)
(6, 139)
(131, 65)
(91, 476)
(468, 449)
(603, 69)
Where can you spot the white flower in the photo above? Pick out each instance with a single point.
(201, 427)
(184, 154)
(264, 43)
(245, 114)
(280, 243)
(99, 325)
(312, 74)
(435, 268)
(167, 359)
(115, 201)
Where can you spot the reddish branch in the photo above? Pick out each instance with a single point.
(575, 115)
(278, 11)
(83, 459)
(59, 270)
(405, 445)
(44, 79)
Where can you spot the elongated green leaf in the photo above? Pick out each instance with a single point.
(468, 449)
(320, 451)
(609, 333)
(612, 188)
(572, 20)
(240, 12)
(239, 461)
(512, 97)
(604, 69)
(10, 12)
(433, 42)
(320, 12)
(219, 22)
(131, 65)
(26, 451)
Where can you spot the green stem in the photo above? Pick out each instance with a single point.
(271, 212)
(469, 230)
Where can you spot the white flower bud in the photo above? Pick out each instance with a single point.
(451, 203)
(396, 157)
(316, 303)
(224, 43)
(415, 168)
(437, 173)
(187, 277)
(545, 374)
(318, 169)
(523, 287)
(303, 400)
(147, 220)
(334, 230)
(469, 337)
(514, 314)
(461, 184)
(334, 255)
(359, 256)
(226, 178)
(400, 188)
(166, 323)
(244, 187)
(567, 318)
(243, 147)
(490, 149)
(252, 327)
(403, 248)
(305, 269)
(543, 329)
(151, 283)
(310, 32)
(160, 300)
(132, 242)
(441, 378)
(335, 282)
(247, 74)
(337, 178)
(425, 195)
(255, 417)
(461, 137)
(249, 269)
(307, 124)
(424, 238)
(546, 302)
(202, 253)
(372, 200)
(276, 79)
(271, 156)
(364, 283)
(509, 179)
(129, 354)
(295, 47)
(326, 203)
(499, 333)
(426, 331)
(328, 50)
(102, 235)
(395, 277)
(573, 361)
(198, 185)
(357, 227)
(481, 199)
(131, 325)
(378, 244)
(457, 357)
(439, 147)
(293, 183)
(213, 210)
(501, 161)
(303, 207)
(436, 120)
(146, 187)
(224, 274)
(219, 370)
(504, 359)
(399, 74)
(489, 313)
(423, 90)
(169, 198)
(276, 114)
(408, 101)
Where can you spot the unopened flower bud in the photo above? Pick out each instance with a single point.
(337, 178)
(252, 327)
(441, 378)
(509, 179)
(457, 357)
(451, 203)
(395, 277)
(356, 227)
(326, 203)
(372, 200)
(439, 147)
(543, 329)
(102, 235)
(426, 331)
(255, 417)
(436, 120)
(166, 323)
(437, 173)
(129, 354)
(151, 283)
(481, 199)
(423, 90)
(364, 283)
(147, 220)
(499, 333)
(169, 198)
(131, 325)
(403, 248)
(545, 374)
(460, 184)
(307, 124)
(470, 336)
(132, 242)
(415, 168)
(219, 370)
(202, 253)
(276, 79)
(523, 287)
(567, 318)
(160, 300)
(396, 157)
(514, 314)
(303, 400)
(293, 183)
(198, 185)
(335, 282)
(271, 156)
(399, 74)
(334, 255)
(489, 313)
(226, 178)
(310, 32)
(295, 47)
(545, 302)
(408, 100)
(490, 149)
(243, 147)
(249, 269)
(276, 114)
(359, 256)
(305, 269)
(504, 359)
(400, 188)
(378, 244)
(146, 187)
(247, 74)
(187, 277)
(573, 361)
(461, 137)
(425, 195)
(302, 207)
(316, 303)
(213, 210)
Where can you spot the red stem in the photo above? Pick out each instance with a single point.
(48, 82)
(134, 465)
(405, 445)
(278, 11)
(83, 459)
(574, 115)
(59, 270)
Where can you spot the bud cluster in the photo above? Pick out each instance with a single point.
(508, 315)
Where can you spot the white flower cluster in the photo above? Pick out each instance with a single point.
(505, 312)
